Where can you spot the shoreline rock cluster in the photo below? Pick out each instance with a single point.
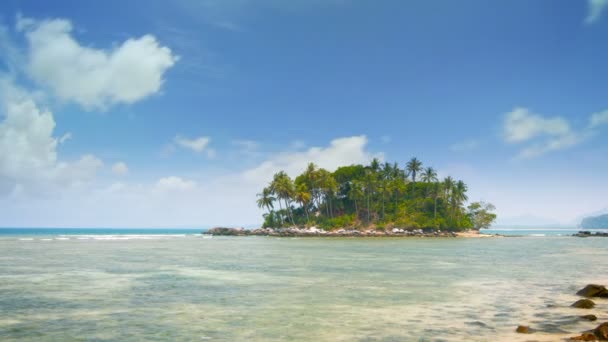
(586, 233)
(600, 333)
(315, 232)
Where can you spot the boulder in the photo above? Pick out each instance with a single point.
(590, 318)
(584, 337)
(584, 304)
(602, 331)
(522, 329)
(593, 290)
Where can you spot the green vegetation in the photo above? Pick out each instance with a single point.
(373, 196)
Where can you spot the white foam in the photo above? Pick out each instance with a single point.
(46, 239)
(62, 238)
(26, 239)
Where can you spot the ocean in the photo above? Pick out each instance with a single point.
(177, 285)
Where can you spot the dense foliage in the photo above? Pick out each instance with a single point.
(376, 196)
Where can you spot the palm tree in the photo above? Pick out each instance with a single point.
(265, 199)
(385, 176)
(303, 196)
(459, 195)
(414, 166)
(356, 193)
(283, 187)
(437, 191)
(428, 176)
(448, 184)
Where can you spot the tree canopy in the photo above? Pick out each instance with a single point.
(372, 196)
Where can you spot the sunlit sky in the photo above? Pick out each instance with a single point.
(176, 113)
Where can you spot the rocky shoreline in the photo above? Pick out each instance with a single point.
(600, 333)
(586, 233)
(316, 232)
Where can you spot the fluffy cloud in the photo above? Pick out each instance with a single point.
(173, 183)
(342, 151)
(176, 201)
(546, 134)
(120, 169)
(198, 145)
(598, 119)
(595, 8)
(28, 149)
(521, 125)
(93, 78)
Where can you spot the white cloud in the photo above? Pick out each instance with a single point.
(342, 151)
(598, 119)
(552, 144)
(173, 183)
(195, 144)
(120, 169)
(93, 78)
(177, 201)
(595, 9)
(28, 149)
(546, 134)
(521, 125)
(65, 138)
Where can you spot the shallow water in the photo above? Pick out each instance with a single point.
(183, 287)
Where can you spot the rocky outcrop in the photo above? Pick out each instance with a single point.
(602, 331)
(522, 329)
(314, 231)
(586, 233)
(584, 304)
(590, 318)
(593, 290)
(584, 337)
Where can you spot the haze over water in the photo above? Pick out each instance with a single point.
(184, 287)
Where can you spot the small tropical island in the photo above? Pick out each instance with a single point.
(367, 200)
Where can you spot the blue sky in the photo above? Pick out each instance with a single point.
(156, 113)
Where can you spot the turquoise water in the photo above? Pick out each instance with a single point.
(183, 287)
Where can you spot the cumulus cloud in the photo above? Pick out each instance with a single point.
(595, 9)
(174, 183)
(178, 201)
(341, 151)
(521, 125)
(28, 148)
(598, 119)
(93, 78)
(120, 169)
(546, 134)
(198, 145)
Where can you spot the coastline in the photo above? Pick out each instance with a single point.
(316, 232)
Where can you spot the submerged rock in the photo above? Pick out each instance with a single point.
(602, 331)
(522, 329)
(593, 290)
(584, 337)
(590, 318)
(584, 304)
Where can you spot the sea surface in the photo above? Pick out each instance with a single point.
(177, 285)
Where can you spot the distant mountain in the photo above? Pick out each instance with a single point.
(595, 222)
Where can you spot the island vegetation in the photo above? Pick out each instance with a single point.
(376, 196)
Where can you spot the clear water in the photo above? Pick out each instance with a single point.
(183, 287)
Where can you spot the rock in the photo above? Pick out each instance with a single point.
(522, 329)
(584, 337)
(602, 331)
(593, 290)
(590, 318)
(584, 304)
